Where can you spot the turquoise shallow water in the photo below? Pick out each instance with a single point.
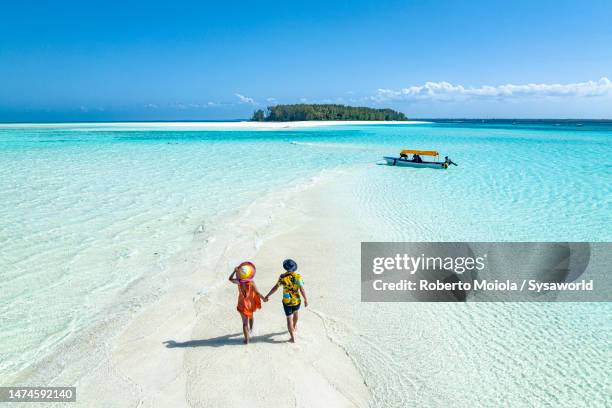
(90, 210)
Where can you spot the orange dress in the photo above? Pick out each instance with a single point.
(248, 300)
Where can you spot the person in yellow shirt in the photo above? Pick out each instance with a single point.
(293, 287)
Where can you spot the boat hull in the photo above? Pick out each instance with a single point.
(395, 161)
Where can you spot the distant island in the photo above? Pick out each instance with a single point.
(302, 111)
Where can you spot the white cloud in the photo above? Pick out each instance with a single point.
(246, 99)
(448, 91)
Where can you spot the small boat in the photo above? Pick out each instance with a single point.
(417, 161)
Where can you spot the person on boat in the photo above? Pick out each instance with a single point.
(449, 161)
(403, 156)
(417, 159)
(249, 298)
(293, 286)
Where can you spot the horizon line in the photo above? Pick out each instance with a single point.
(248, 120)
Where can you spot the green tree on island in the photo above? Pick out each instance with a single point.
(298, 112)
(259, 116)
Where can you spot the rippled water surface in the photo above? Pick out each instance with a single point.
(89, 210)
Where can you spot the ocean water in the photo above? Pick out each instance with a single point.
(89, 211)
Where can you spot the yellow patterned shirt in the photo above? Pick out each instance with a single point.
(291, 282)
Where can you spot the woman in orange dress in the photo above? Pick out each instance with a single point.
(249, 298)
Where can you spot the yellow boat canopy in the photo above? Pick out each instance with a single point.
(420, 152)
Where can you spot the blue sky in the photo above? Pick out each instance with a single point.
(148, 60)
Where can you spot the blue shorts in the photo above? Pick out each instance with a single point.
(290, 309)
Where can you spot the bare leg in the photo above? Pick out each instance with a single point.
(290, 328)
(245, 328)
(251, 323)
(295, 320)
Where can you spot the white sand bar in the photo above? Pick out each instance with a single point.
(186, 349)
(244, 125)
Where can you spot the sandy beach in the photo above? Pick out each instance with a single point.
(186, 348)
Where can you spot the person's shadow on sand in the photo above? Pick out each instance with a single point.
(227, 340)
